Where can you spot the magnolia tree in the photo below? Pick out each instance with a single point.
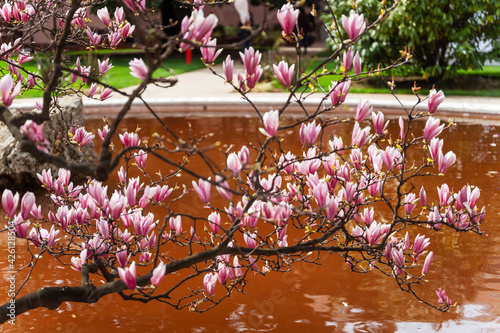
(265, 208)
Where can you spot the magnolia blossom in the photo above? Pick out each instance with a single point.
(209, 52)
(209, 283)
(10, 202)
(427, 263)
(138, 68)
(8, 91)
(338, 92)
(284, 73)
(158, 274)
(203, 189)
(103, 15)
(354, 25)
(432, 129)
(435, 98)
(271, 122)
(357, 63)
(106, 93)
(378, 123)
(251, 60)
(104, 66)
(363, 110)
(128, 276)
(81, 137)
(227, 67)
(309, 133)
(347, 60)
(287, 17)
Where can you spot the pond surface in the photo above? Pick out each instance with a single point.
(325, 298)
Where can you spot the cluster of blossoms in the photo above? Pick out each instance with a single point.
(326, 191)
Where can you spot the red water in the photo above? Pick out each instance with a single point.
(324, 298)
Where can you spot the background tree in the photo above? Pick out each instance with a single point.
(443, 36)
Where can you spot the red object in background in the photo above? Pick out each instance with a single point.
(188, 57)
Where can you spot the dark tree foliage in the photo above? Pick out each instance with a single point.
(443, 35)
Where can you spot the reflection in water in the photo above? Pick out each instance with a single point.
(316, 298)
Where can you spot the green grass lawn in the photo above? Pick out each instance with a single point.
(118, 76)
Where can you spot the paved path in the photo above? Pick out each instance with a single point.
(202, 91)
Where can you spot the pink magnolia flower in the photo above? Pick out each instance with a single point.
(435, 147)
(77, 263)
(93, 89)
(128, 276)
(26, 204)
(209, 283)
(284, 73)
(162, 193)
(427, 263)
(252, 79)
(309, 133)
(420, 244)
(102, 133)
(8, 93)
(129, 139)
(357, 63)
(176, 224)
(81, 137)
(398, 257)
(140, 158)
(320, 192)
(287, 17)
(360, 136)
(214, 221)
(10, 202)
(94, 38)
(401, 128)
(435, 98)
(363, 110)
(442, 298)
(354, 25)
(203, 189)
(104, 66)
(339, 93)
(227, 67)
(423, 197)
(237, 267)
(271, 123)
(122, 257)
(233, 163)
(375, 232)
(244, 155)
(444, 194)
(138, 68)
(135, 5)
(378, 123)
(208, 52)
(158, 274)
(143, 225)
(347, 60)
(103, 15)
(251, 60)
(6, 12)
(106, 93)
(119, 14)
(432, 129)
(21, 228)
(250, 240)
(444, 162)
(409, 203)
